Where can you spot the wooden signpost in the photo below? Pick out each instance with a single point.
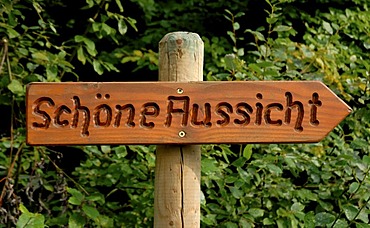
(181, 113)
(178, 112)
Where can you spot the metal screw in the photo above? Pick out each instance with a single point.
(180, 91)
(182, 134)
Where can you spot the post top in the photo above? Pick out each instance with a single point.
(181, 57)
(183, 35)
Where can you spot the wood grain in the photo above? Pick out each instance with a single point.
(207, 102)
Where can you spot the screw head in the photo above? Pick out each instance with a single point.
(182, 134)
(180, 91)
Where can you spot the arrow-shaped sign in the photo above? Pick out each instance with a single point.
(181, 113)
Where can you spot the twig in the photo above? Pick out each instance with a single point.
(5, 53)
(70, 178)
(9, 173)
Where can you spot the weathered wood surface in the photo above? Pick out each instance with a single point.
(181, 113)
(177, 169)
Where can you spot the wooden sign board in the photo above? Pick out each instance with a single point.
(181, 113)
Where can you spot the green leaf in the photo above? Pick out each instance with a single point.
(340, 223)
(230, 61)
(118, 2)
(79, 38)
(229, 12)
(122, 27)
(232, 36)
(40, 56)
(51, 72)
(367, 44)
(363, 216)
(107, 29)
(121, 151)
(255, 68)
(247, 151)
(105, 221)
(230, 225)
(109, 66)
(30, 220)
(271, 20)
(239, 162)
(96, 26)
(309, 220)
(236, 26)
(350, 211)
(265, 64)
(97, 197)
(268, 221)
(105, 149)
(37, 7)
(75, 201)
(324, 218)
(23, 209)
(243, 174)
(90, 3)
(81, 55)
(228, 18)
(98, 67)
(90, 46)
(23, 51)
(282, 28)
(256, 212)
(274, 169)
(240, 52)
(236, 192)
(366, 159)
(52, 27)
(76, 221)
(12, 33)
(240, 14)
(49, 187)
(209, 166)
(132, 22)
(327, 27)
(258, 35)
(16, 87)
(57, 221)
(91, 212)
(353, 187)
(76, 198)
(225, 152)
(297, 207)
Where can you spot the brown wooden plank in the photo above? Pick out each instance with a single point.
(181, 113)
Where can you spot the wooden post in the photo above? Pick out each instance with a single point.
(177, 171)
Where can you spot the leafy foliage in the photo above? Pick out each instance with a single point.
(300, 185)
